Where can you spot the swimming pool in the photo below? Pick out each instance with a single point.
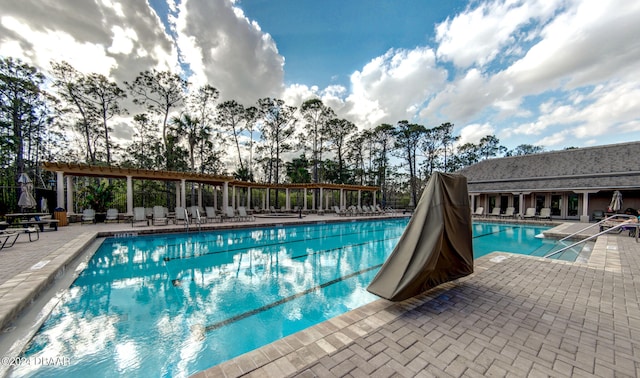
(173, 305)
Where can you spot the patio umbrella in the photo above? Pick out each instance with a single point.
(26, 200)
(44, 205)
(616, 201)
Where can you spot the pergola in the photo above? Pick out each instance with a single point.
(224, 183)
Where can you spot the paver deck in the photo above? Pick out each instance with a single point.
(514, 316)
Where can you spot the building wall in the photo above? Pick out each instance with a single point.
(559, 200)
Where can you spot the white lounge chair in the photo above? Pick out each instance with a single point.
(479, 212)
(88, 216)
(211, 214)
(545, 213)
(112, 216)
(495, 212)
(159, 216)
(529, 213)
(339, 212)
(380, 210)
(509, 212)
(139, 215)
(243, 215)
(229, 214)
(195, 215)
(181, 216)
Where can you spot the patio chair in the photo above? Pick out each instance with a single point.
(339, 211)
(139, 215)
(88, 216)
(112, 216)
(195, 215)
(192, 211)
(229, 214)
(529, 213)
(597, 215)
(361, 211)
(495, 212)
(181, 216)
(479, 212)
(8, 239)
(380, 209)
(159, 216)
(509, 212)
(211, 214)
(545, 213)
(243, 215)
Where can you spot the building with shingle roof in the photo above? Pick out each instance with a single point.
(573, 183)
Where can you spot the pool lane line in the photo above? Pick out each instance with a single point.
(244, 315)
(167, 259)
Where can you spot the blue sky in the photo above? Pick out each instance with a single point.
(554, 73)
(323, 42)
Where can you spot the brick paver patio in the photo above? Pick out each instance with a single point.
(516, 316)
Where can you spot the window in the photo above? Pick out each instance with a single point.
(572, 205)
(539, 202)
(556, 204)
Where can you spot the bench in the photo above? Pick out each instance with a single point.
(53, 223)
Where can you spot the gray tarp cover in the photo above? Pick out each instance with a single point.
(436, 247)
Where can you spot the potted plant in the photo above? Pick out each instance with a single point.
(98, 197)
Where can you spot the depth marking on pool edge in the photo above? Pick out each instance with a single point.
(214, 326)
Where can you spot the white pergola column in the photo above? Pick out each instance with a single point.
(225, 196)
(359, 197)
(287, 201)
(584, 216)
(199, 195)
(178, 201)
(521, 202)
(70, 195)
(313, 200)
(320, 200)
(268, 200)
(373, 194)
(234, 197)
(60, 188)
(342, 205)
(215, 197)
(129, 196)
(249, 197)
(304, 198)
(264, 201)
(183, 193)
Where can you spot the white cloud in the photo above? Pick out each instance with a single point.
(390, 87)
(474, 132)
(561, 71)
(228, 51)
(588, 43)
(92, 36)
(477, 36)
(59, 45)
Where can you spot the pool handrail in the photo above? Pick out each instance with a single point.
(617, 226)
(595, 224)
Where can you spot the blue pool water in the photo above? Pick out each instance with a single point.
(173, 305)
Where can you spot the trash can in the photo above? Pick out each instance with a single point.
(61, 215)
